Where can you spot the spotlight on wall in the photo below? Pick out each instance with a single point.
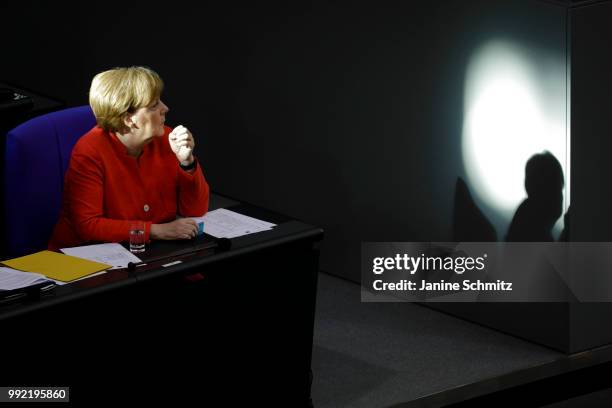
(514, 107)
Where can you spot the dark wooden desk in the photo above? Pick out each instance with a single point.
(235, 325)
(9, 118)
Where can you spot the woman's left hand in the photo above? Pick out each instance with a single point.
(182, 144)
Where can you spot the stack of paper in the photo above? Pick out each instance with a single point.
(13, 279)
(112, 254)
(222, 223)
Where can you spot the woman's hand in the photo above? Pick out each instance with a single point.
(182, 144)
(183, 228)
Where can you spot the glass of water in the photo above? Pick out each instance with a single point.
(137, 236)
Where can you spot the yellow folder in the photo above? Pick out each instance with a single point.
(56, 266)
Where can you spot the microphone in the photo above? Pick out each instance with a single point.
(220, 244)
(223, 244)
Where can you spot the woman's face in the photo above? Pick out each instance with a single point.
(149, 121)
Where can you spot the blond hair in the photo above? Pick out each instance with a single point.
(118, 91)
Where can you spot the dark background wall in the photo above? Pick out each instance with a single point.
(591, 218)
(591, 65)
(346, 115)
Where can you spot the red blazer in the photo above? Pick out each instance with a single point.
(105, 188)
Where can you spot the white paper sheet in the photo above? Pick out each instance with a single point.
(111, 254)
(223, 223)
(13, 279)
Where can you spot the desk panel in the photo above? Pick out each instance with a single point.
(235, 325)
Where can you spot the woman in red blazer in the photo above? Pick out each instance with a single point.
(130, 167)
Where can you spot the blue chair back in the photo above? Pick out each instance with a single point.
(37, 154)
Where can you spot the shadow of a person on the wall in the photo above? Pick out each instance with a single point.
(565, 234)
(469, 222)
(535, 217)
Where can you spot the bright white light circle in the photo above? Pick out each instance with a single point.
(507, 119)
